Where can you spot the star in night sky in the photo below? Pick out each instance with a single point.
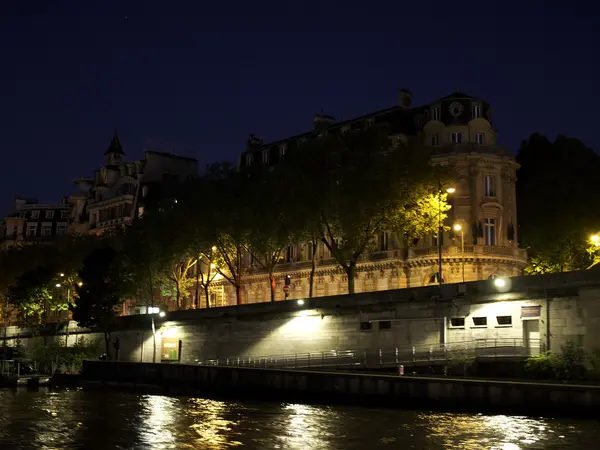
(196, 78)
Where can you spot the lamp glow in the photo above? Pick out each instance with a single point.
(161, 314)
(300, 302)
(499, 282)
(450, 190)
(457, 227)
(57, 284)
(595, 239)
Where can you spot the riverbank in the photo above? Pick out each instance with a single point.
(509, 397)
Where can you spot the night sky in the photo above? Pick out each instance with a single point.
(195, 77)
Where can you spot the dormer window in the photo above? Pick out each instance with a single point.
(370, 122)
(476, 110)
(49, 214)
(35, 214)
(436, 113)
(249, 159)
(282, 150)
(265, 156)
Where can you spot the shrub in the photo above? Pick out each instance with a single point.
(569, 364)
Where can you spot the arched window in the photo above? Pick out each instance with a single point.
(433, 279)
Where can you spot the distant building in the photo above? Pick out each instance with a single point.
(117, 193)
(31, 221)
(460, 130)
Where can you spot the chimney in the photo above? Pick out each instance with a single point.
(405, 99)
(254, 142)
(323, 121)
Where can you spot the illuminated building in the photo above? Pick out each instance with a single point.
(459, 128)
(31, 221)
(119, 191)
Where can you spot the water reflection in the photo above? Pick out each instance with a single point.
(470, 432)
(214, 430)
(158, 412)
(68, 420)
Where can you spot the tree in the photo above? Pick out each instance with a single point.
(302, 181)
(206, 272)
(34, 296)
(144, 260)
(213, 225)
(366, 184)
(99, 294)
(226, 222)
(268, 222)
(557, 178)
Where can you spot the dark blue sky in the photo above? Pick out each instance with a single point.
(196, 77)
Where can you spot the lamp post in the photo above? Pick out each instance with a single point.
(457, 227)
(450, 190)
(154, 310)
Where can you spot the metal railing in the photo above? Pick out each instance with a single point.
(388, 357)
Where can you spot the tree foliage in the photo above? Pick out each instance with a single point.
(100, 293)
(359, 186)
(557, 198)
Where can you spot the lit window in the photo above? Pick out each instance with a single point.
(435, 114)
(476, 111)
(31, 229)
(480, 138)
(489, 186)
(435, 140)
(457, 138)
(489, 232)
(383, 241)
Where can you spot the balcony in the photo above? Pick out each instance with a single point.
(470, 251)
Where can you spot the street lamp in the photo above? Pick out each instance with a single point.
(449, 190)
(457, 227)
(499, 282)
(154, 310)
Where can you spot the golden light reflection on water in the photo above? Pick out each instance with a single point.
(209, 423)
(468, 432)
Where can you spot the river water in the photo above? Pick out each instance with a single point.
(77, 419)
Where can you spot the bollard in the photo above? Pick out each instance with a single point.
(400, 370)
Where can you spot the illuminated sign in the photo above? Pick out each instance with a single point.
(170, 349)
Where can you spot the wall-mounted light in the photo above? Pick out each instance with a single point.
(300, 302)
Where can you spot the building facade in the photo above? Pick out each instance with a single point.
(118, 192)
(460, 130)
(31, 221)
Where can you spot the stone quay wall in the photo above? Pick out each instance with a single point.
(387, 390)
(547, 311)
